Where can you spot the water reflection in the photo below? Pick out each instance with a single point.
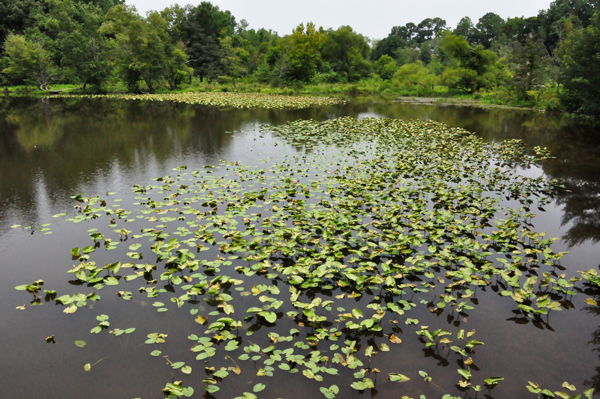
(593, 292)
(575, 144)
(69, 144)
(52, 149)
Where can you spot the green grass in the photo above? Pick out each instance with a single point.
(369, 86)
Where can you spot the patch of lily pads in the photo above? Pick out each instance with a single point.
(320, 259)
(235, 100)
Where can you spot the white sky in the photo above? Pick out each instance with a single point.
(372, 18)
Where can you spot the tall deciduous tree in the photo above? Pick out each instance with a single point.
(466, 29)
(552, 19)
(489, 29)
(347, 51)
(469, 68)
(233, 58)
(144, 48)
(297, 57)
(15, 17)
(385, 67)
(533, 67)
(29, 61)
(580, 55)
(201, 29)
(82, 50)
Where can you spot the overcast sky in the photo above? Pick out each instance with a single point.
(373, 18)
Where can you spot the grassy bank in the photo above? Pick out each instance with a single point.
(546, 100)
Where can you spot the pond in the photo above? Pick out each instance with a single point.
(52, 150)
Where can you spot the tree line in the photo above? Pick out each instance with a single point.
(552, 59)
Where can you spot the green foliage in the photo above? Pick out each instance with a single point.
(15, 17)
(407, 55)
(298, 56)
(489, 29)
(108, 45)
(532, 67)
(144, 49)
(469, 68)
(347, 51)
(74, 28)
(201, 28)
(551, 21)
(385, 67)
(465, 28)
(581, 70)
(29, 61)
(416, 74)
(460, 78)
(214, 22)
(379, 164)
(233, 58)
(409, 36)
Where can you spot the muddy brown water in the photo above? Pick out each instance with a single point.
(53, 149)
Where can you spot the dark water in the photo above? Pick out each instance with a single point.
(50, 150)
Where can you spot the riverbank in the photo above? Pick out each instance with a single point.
(438, 95)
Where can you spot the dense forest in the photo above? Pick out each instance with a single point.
(551, 60)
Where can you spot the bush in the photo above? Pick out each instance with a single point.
(460, 78)
(415, 75)
(385, 67)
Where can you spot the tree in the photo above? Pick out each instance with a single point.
(83, 51)
(532, 66)
(29, 61)
(407, 55)
(104, 5)
(429, 28)
(144, 48)
(298, 55)
(461, 78)
(214, 22)
(416, 74)
(488, 29)
(580, 55)
(347, 51)
(552, 20)
(205, 54)
(233, 58)
(201, 29)
(469, 68)
(176, 69)
(388, 46)
(16, 17)
(465, 29)
(385, 67)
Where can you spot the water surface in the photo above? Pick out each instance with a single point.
(53, 149)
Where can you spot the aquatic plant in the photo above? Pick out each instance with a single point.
(337, 245)
(235, 100)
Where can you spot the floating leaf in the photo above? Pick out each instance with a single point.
(212, 388)
(394, 339)
(493, 380)
(592, 302)
(259, 387)
(464, 373)
(398, 377)
(568, 386)
(178, 365)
